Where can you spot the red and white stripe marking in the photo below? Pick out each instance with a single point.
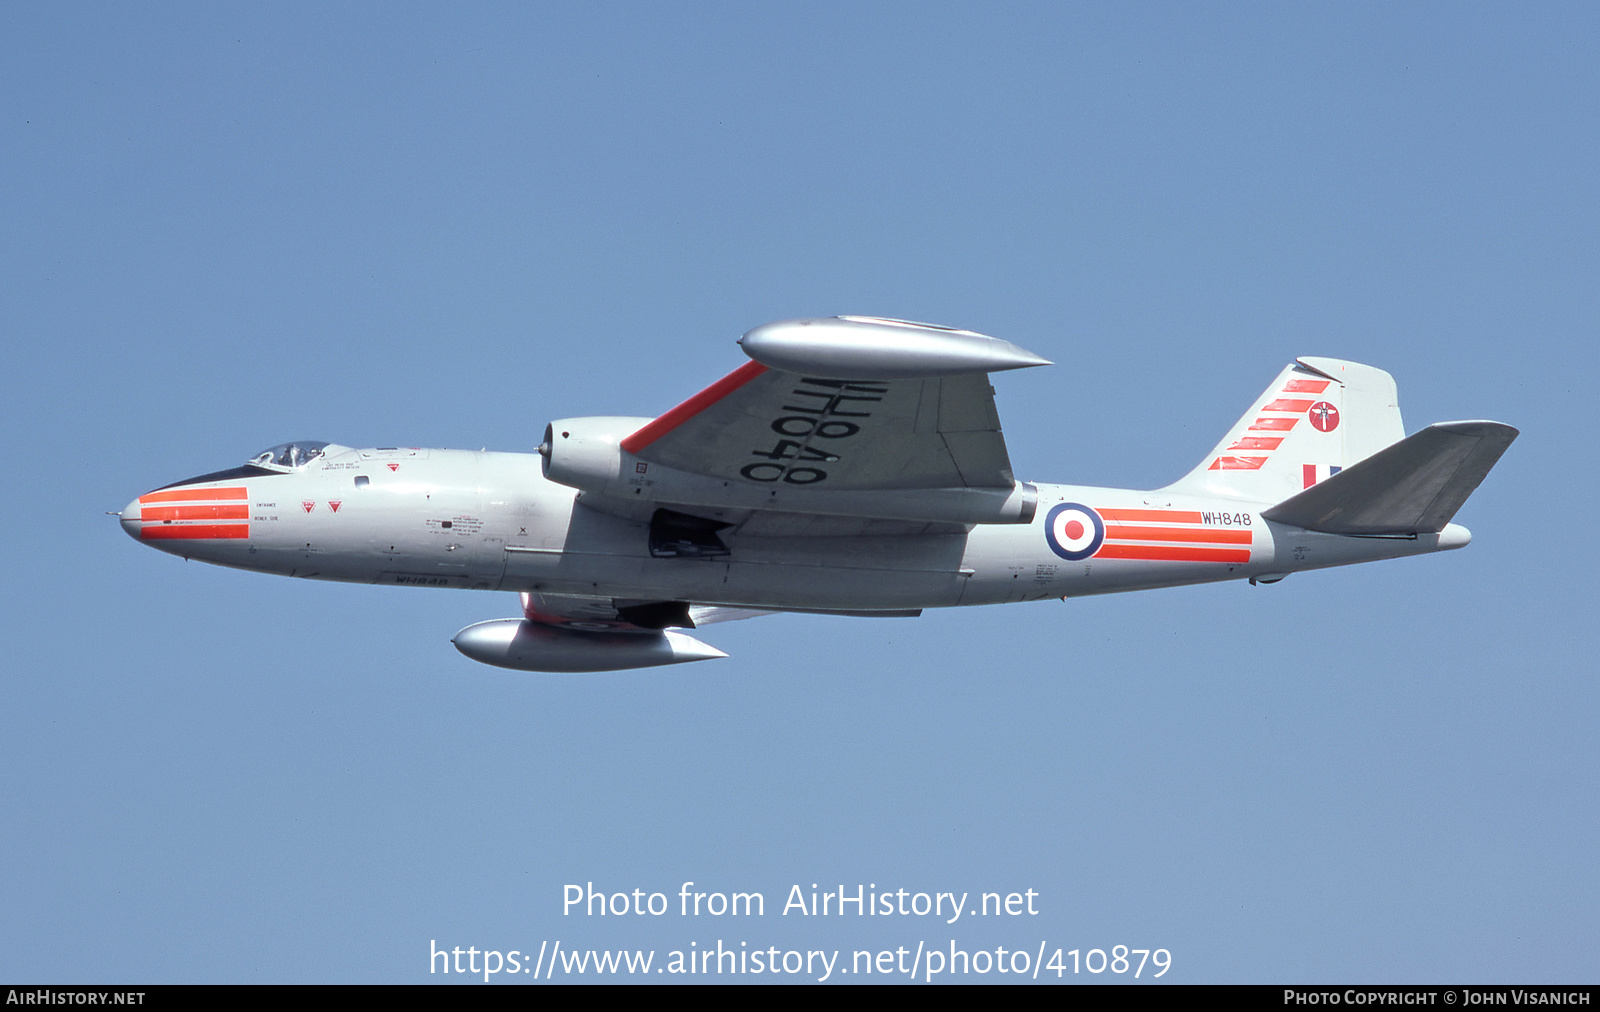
(1285, 414)
(194, 513)
(1158, 535)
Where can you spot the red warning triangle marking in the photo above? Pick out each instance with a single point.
(334, 504)
(308, 504)
(394, 467)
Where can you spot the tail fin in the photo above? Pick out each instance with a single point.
(1412, 487)
(1319, 416)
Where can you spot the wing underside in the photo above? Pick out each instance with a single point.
(765, 426)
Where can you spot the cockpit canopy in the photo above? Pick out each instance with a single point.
(289, 456)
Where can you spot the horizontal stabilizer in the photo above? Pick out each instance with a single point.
(1412, 487)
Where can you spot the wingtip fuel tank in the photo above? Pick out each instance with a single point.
(872, 347)
(532, 646)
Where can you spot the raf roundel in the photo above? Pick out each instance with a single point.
(1074, 531)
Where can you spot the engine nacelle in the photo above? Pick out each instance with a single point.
(534, 646)
(585, 453)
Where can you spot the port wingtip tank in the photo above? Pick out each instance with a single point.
(535, 646)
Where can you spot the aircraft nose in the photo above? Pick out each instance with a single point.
(132, 514)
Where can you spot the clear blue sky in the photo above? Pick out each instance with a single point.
(376, 224)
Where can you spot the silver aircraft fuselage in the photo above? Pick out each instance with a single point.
(492, 521)
(853, 465)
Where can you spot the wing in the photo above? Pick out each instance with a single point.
(604, 614)
(850, 417)
(762, 425)
(848, 404)
(613, 615)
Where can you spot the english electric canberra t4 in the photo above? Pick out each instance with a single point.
(854, 466)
